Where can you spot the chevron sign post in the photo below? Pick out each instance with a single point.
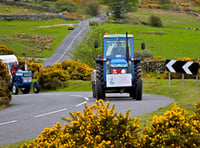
(183, 67)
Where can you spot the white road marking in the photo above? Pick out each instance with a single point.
(87, 99)
(53, 112)
(75, 95)
(9, 122)
(81, 104)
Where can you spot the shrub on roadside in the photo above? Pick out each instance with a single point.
(5, 96)
(97, 126)
(77, 70)
(100, 126)
(5, 51)
(175, 129)
(52, 77)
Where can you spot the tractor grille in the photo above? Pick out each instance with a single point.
(27, 79)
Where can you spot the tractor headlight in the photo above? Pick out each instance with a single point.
(123, 71)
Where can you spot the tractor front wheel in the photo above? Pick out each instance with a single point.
(36, 87)
(15, 89)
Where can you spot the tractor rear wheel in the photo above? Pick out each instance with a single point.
(36, 87)
(139, 89)
(14, 88)
(94, 90)
(136, 91)
(100, 93)
(138, 78)
(25, 90)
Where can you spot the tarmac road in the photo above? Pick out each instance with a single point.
(67, 44)
(29, 114)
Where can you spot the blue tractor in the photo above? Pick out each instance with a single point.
(23, 80)
(118, 70)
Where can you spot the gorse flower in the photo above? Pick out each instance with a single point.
(98, 126)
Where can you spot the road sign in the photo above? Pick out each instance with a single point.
(182, 67)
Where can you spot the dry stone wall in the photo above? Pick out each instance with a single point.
(157, 66)
(30, 6)
(34, 17)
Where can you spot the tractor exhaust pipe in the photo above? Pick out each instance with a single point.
(127, 48)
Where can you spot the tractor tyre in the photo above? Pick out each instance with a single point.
(36, 87)
(94, 90)
(15, 89)
(139, 89)
(138, 78)
(135, 91)
(25, 90)
(100, 93)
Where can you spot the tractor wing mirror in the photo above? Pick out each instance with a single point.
(96, 44)
(143, 46)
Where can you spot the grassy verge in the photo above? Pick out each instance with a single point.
(30, 45)
(185, 96)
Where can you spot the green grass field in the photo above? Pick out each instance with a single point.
(175, 41)
(9, 30)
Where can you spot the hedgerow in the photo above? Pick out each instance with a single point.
(5, 51)
(5, 96)
(99, 126)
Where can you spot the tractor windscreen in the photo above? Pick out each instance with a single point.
(117, 48)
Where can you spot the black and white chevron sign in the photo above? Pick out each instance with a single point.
(182, 67)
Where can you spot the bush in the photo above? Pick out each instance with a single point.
(5, 96)
(143, 54)
(52, 77)
(92, 9)
(155, 21)
(166, 7)
(68, 6)
(97, 126)
(100, 126)
(77, 70)
(175, 129)
(5, 51)
(45, 4)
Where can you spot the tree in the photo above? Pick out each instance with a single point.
(92, 9)
(85, 51)
(118, 7)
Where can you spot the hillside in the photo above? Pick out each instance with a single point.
(178, 37)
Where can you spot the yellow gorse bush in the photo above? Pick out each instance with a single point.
(77, 70)
(5, 82)
(175, 129)
(98, 126)
(5, 51)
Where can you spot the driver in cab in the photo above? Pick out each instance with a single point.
(119, 51)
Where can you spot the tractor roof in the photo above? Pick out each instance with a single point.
(116, 35)
(8, 58)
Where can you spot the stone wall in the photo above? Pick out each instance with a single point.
(30, 6)
(157, 66)
(34, 17)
